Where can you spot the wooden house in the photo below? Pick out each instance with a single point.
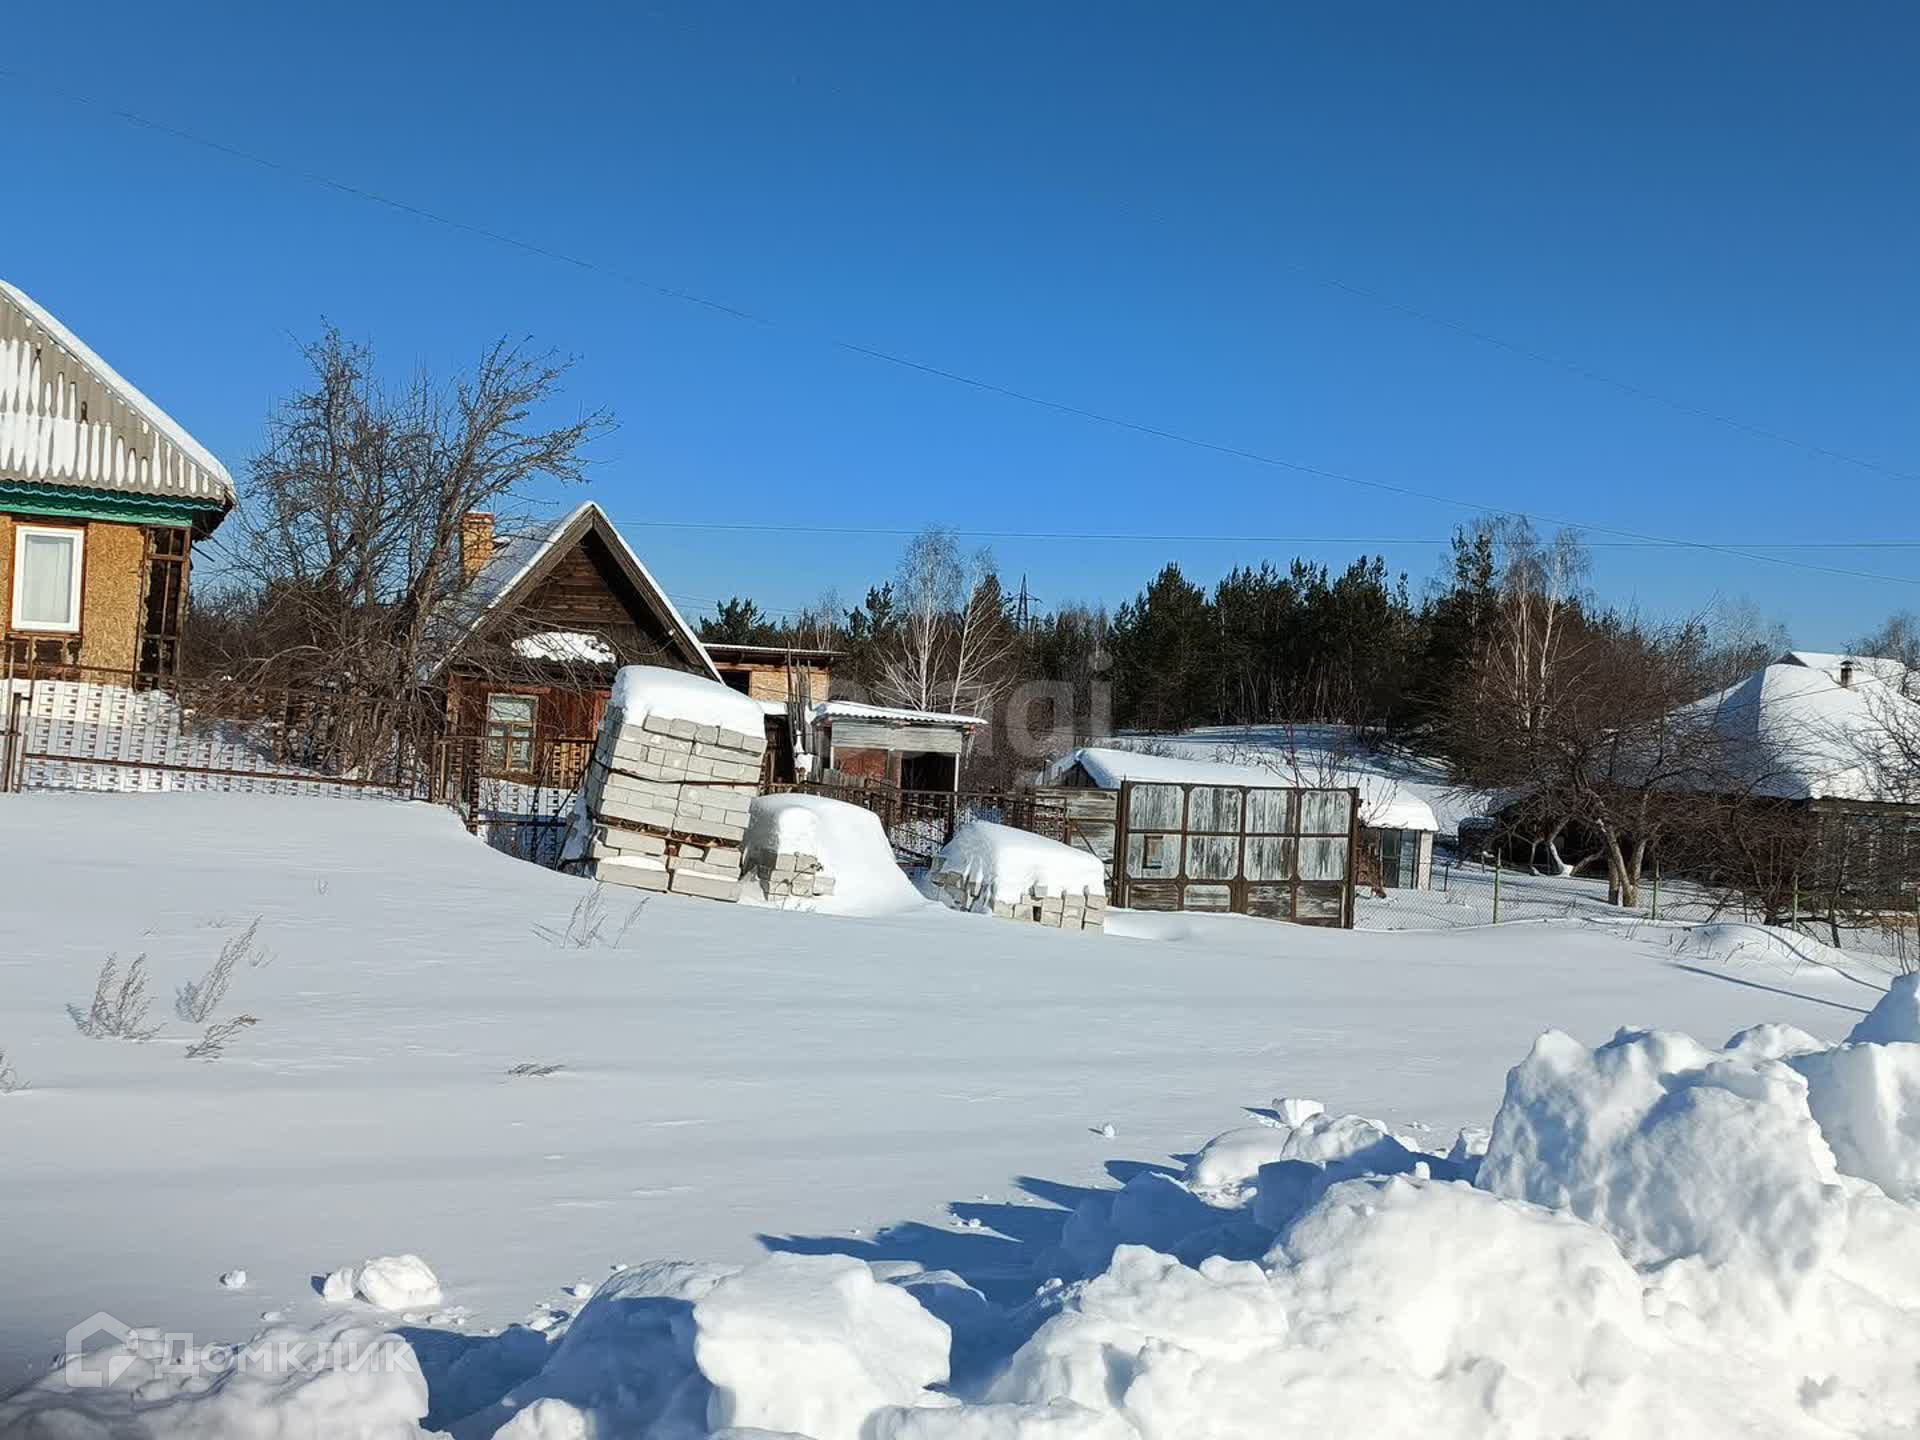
(102, 496)
(528, 645)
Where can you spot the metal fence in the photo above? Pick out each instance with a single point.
(85, 728)
(514, 792)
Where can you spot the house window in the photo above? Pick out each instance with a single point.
(46, 579)
(509, 740)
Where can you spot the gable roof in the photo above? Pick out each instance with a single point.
(68, 418)
(522, 561)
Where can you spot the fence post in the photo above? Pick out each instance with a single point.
(1497, 858)
(1656, 890)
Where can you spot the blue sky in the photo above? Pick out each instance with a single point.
(1146, 210)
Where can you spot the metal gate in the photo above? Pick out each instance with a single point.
(1276, 852)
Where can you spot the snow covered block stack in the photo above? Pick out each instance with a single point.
(1016, 875)
(666, 797)
(806, 852)
(784, 848)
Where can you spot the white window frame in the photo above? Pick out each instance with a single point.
(78, 536)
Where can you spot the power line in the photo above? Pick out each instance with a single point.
(1598, 377)
(903, 532)
(938, 372)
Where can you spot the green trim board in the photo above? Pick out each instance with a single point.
(73, 502)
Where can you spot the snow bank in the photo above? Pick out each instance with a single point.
(1896, 1019)
(643, 690)
(816, 1345)
(849, 843)
(1000, 869)
(1660, 1237)
(339, 1380)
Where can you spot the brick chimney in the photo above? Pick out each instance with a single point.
(476, 542)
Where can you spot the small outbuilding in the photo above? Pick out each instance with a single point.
(908, 749)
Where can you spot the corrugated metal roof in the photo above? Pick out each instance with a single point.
(854, 710)
(68, 418)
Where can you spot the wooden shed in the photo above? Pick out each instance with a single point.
(909, 749)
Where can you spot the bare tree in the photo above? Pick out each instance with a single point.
(949, 642)
(351, 520)
(1603, 737)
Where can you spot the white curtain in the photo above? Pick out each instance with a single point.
(46, 579)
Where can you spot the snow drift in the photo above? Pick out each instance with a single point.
(1660, 1237)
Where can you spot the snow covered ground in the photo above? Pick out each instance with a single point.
(922, 1089)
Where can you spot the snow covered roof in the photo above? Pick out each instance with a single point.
(1384, 804)
(568, 647)
(1796, 733)
(1888, 672)
(519, 561)
(68, 418)
(885, 714)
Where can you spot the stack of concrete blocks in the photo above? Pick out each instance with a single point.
(789, 875)
(1040, 905)
(667, 801)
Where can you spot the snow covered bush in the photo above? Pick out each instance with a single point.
(120, 1004)
(10, 1081)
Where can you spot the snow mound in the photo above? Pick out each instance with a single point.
(1895, 1019)
(814, 1344)
(1866, 1101)
(625, 1365)
(1053, 1420)
(1005, 865)
(643, 690)
(390, 1282)
(1726, 941)
(1723, 1177)
(339, 1380)
(849, 842)
(1228, 1164)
